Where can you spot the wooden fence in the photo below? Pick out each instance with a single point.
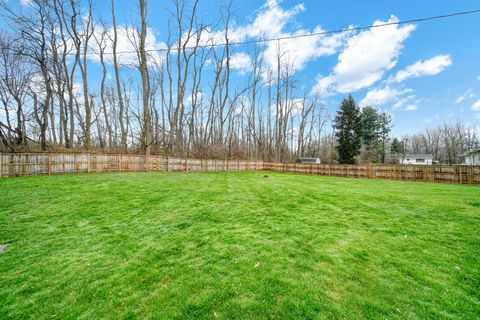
(24, 164)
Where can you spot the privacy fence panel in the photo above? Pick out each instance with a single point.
(26, 164)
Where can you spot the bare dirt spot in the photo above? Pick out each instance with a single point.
(3, 247)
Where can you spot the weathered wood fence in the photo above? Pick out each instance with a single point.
(24, 164)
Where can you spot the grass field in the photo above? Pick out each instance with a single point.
(237, 245)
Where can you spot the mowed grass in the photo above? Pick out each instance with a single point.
(237, 246)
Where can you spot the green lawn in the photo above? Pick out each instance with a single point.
(237, 245)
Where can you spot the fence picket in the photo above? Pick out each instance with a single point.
(53, 163)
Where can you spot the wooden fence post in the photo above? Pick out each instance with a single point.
(88, 162)
(49, 164)
(16, 164)
(9, 161)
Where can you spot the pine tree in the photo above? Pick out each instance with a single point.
(396, 147)
(376, 127)
(348, 126)
(385, 128)
(370, 130)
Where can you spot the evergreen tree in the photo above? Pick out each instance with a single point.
(371, 130)
(396, 147)
(376, 127)
(385, 127)
(348, 126)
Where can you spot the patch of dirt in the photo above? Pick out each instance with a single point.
(266, 177)
(3, 247)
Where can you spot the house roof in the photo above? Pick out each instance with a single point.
(417, 155)
(473, 151)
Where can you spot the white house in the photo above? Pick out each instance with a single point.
(471, 158)
(424, 159)
(309, 160)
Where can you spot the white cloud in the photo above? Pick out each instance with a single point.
(37, 85)
(324, 86)
(241, 62)
(271, 19)
(25, 2)
(378, 97)
(367, 56)
(467, 94)
(270, 22)
(402, 102)
(476, 106)
(411, 107)
(297, 52)
(420, 68)
(295, 106)
(292, 106)
(478, 78)
(459, 99)
(127, 45)
(198, 98)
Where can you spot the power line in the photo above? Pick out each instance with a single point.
(313, 34)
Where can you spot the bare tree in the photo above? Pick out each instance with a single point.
(123, 132)
(15, 74)
(143, 66)
(101, 41)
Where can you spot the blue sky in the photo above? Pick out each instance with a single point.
(423, 73)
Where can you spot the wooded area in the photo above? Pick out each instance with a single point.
(26, 164)
(173, 106)
(180, 100)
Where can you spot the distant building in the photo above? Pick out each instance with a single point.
(309, 160)
(471, 158)
(423, 159)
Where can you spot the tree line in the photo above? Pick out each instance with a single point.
(363, 135)
(65, 85)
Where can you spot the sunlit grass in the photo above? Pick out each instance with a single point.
(237, 245)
